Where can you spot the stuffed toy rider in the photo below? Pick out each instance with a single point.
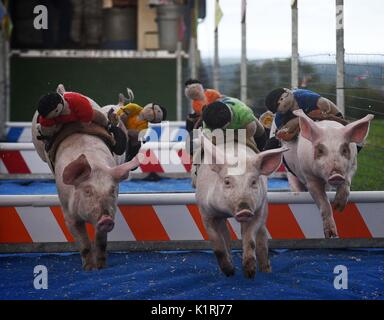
(136, 119)
(58, 108)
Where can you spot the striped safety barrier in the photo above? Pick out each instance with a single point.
(164, 141)
(167, 131)
(175, 217)
(162, 157)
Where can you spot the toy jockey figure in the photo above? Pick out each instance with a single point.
(58, 108)
(136, 119)
(200, 98)
(283, 101)
(231, 113)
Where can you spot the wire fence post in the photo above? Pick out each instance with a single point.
(295, 46)
(340, 81)
(3, 85)
(193, 41)
(179, 79)
(216, 66)
(243, 67)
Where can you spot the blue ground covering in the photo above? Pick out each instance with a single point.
(297, 274)
(163, 185)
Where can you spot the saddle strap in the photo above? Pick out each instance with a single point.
(79, 127)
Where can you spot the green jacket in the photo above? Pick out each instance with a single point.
(242, 114)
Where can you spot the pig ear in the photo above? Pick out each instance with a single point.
(269, 161)
(77, 171)
(358, 130)
(121, 172)
(60, 89)
(213, 153)
(308, 128)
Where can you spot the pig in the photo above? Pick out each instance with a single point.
(87, 177)
(325, 156)
(221, 195)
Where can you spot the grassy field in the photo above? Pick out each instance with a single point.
(370, 168)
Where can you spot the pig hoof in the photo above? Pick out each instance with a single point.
(88, 266)
(105, 224)
(250, 268)
(229, 272)
(265, 268)
(330, 233)
(102, 264)
(250, 274)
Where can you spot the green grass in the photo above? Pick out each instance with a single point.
(370, 160)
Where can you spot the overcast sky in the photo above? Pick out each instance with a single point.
(269, 28)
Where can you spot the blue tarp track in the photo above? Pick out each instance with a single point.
(297, 274)
(163, 185)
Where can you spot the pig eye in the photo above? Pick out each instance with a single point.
(88, 191)
(254, 183)
(227, 182)
(320, 150)
(344, 150)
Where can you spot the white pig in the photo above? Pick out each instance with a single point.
(87, 177)
(220, 196)
(325, 155)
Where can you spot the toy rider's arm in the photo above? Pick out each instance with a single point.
(99, 118)
(251, 129)
(82, 107)
(327, 110)
(327, 106)
(289, 130)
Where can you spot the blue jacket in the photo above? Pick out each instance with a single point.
(306, 99)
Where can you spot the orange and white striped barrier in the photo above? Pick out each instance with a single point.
(162, 157)
(175, 217)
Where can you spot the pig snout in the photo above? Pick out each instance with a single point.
(105, 224)
(336, 178)
(243, 213)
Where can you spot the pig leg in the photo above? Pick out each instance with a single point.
(317, 190)
(215, 227)
(79, 232)
(295, 184)
(101, 249)
(262, 250)
(248, 234)
(341, 198)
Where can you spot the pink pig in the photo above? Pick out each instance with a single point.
(87, 178)
(87, 181)
(221, 194)
(325, 155)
